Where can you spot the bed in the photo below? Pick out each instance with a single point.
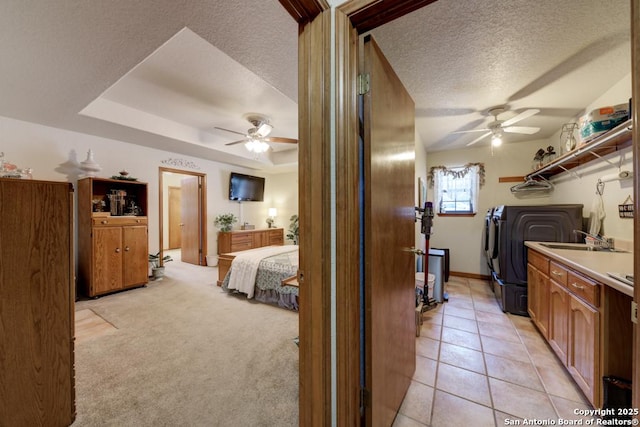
(264, 274)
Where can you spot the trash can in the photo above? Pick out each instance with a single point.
(437, 268)
(617, 395)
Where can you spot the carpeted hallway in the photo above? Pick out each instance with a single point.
(181, 352)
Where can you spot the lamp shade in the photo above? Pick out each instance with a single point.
(273, 212)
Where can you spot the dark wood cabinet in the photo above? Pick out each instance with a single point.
(37, 297)
(113, 249)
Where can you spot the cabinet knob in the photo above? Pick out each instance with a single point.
(104, 221)
(126, 248)
(138, 221)
(117, 250)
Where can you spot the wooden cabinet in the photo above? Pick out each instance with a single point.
(36, 303)
(113, 250)
(538, 290)
(242, 240)
(588, 327)
(583, 357)
(558, 320)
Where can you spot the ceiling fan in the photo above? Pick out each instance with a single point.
(496, 128)
(256, 139)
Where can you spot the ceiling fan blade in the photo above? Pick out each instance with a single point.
(472, 130)
(479, 139)
(236, 142)
(280, 139)
(525, 114)
(229, 130)
(528, 130)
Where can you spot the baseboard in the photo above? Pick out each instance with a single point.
(469, 275)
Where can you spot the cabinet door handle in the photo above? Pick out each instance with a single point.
(126, 248)
(117, 250)
(556, 273)
(575, 285)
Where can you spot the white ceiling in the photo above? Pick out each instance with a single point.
(164, 73)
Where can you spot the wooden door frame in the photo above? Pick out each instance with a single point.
(635, 91)
(203, 209)
(327, 132)
(328, 166)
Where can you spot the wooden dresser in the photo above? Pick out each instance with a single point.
(112, 249)
(37, 298)
(242, 240)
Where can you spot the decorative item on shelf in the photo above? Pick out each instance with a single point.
(157, 270)
(117, 202)
(271, 218)
(625, 210)
(9, 170)
(293, 233)
(124, 176)
(537, 159)
(225, 221)
(89, 166)
(549, 156)
(567, 137)
(98, 205)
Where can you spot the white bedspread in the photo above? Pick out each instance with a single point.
(244, 267)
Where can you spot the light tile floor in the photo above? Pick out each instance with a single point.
(477, 366)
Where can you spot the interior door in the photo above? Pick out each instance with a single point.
(389, 227)
(175, 219)
(191, 222)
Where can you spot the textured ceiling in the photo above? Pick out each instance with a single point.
(460, 58)
(164, 73)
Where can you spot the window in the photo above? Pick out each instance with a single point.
(456, 188)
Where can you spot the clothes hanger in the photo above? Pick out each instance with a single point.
(531, 184)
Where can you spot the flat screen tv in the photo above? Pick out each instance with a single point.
(246, 188)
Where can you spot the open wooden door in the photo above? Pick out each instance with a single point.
(389, 224)
(190, 210)
(175, 218)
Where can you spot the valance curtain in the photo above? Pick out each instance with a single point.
(441, 179)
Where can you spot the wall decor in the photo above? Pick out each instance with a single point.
(181, 163)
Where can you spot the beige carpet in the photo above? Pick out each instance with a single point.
(181, 352)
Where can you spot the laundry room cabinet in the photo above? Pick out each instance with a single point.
(113, 249)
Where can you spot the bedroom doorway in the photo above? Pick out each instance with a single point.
(182, 214)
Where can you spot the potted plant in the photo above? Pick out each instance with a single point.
(225, 221)
(293, 229)
(157, 270)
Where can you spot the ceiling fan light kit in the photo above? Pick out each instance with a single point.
(256, 139)
(256, 146)
(496, 128)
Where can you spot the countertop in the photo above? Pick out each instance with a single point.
(594, 264)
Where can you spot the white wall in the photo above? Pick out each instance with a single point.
(54, 154)
(463, 236)
(420, 172)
